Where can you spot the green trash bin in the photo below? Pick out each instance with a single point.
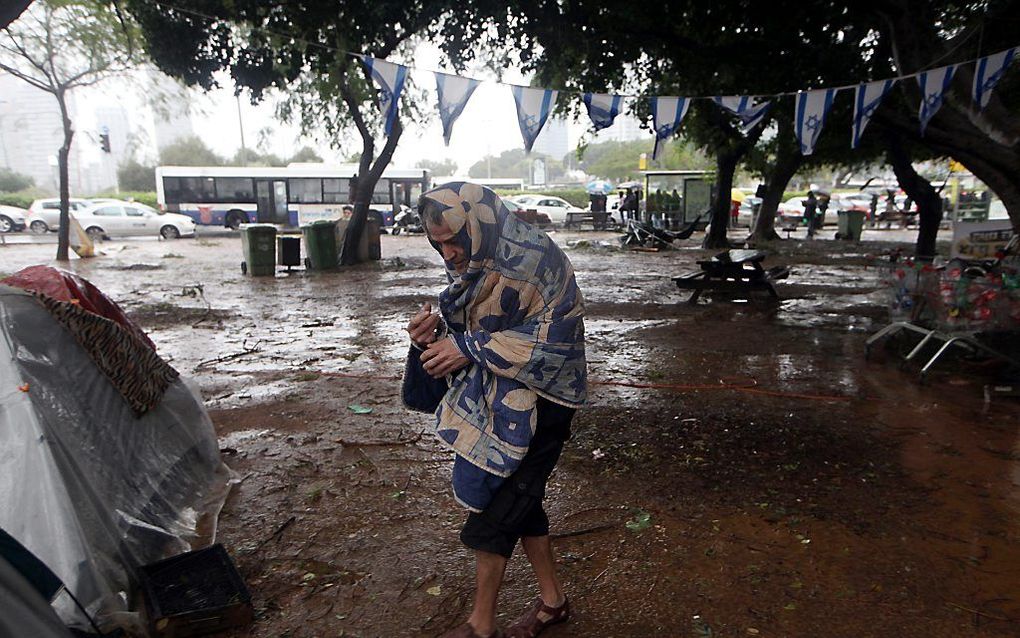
(258, 245)
(320, 245)
(850, 224)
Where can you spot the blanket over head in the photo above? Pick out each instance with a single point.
(517, 314)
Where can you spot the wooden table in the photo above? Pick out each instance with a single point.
(738, 271)
(598, 221)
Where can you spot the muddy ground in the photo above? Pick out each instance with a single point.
(767, 480)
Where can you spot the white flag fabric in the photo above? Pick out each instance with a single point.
(867, 97)
(389, 77)
(533, 109)
(454, 93)
(667, 113)
(934, 85)
(743, 106)
(988, 71)
(809, 116)
(602, 108)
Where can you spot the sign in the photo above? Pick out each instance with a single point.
(538, 172)
(980, 240)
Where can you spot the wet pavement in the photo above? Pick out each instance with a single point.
(741, 469)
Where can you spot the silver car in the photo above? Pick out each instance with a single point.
(44, 214)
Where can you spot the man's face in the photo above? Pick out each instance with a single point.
(450, 248)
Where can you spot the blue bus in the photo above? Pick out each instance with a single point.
(293, 195)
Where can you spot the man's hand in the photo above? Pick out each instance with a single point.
(422, 326)
(442, 358)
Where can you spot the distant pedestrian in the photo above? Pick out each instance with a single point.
(810, 206)
(823, 206)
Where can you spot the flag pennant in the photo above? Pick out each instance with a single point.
(809, 116)
(867, 97)
(389, 77)
(602, 108)
(743, 106)
(988, 71)
(454, 93)
(934, 85)
(533, 109)
(667, 113)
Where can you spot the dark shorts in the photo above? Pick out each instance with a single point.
(516, 509)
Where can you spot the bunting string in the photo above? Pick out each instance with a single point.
(534, 104)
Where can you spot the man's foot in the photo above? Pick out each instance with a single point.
(467, 631)
(540, 617)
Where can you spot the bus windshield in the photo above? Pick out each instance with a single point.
(290, 196)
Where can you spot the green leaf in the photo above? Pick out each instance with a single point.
(641, 521)
(359, 409)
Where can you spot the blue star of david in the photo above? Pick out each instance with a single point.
(933, 100)
(870, 110)
(812, 122)
(664, 130)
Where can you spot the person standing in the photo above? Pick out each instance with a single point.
(503, 367)
(810, 204)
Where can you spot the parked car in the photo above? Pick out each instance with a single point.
(555, 208)
(527, 213)
(44, 214)
(12, 219)
(125, 219)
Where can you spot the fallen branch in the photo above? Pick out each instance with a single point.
(244, 352)
(581, 532)
(979, 613)
(279, 531)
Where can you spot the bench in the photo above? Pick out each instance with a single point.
(737, 271)
(598, 221)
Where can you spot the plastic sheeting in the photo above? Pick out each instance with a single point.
(90, 489)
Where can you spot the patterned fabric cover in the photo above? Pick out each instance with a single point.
(517, 314)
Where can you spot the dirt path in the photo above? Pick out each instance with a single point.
(782, 486)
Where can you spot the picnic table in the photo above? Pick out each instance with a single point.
(739, 271)
(598, 221)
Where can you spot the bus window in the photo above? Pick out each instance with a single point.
(305, 190)
(336, 191)
(381, 195)
(189, 189)
(234, 190)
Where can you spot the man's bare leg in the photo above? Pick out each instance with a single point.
(489, 577)
(539, 551)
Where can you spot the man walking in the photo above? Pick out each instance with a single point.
(503, 367)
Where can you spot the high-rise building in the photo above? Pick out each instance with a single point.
(625, 128)
(172, 121)
(31, 134)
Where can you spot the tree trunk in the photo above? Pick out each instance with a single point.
(775, 185)
(929, 204)
(726, 166)
(63, 231)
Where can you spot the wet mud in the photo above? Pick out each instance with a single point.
(741, 470)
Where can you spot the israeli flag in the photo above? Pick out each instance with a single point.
(743, 106)
(934, 85)
(867, 97)
(667, 113)
(389, 77)
(454, 93)
(989, 71)
(602, 108)
(533, 109)
(809, 118)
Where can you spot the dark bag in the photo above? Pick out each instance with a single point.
(419, 391)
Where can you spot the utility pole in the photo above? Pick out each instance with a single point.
(240, 124)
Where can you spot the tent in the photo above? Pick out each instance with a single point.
(108, 459)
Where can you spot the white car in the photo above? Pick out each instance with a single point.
(124, 219)
(44, 214)
(12, 219)
(555, 208)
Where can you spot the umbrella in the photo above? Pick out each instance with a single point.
(737, 195)
(598, 186)
(628, 185)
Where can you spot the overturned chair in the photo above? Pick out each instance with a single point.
(733, 271)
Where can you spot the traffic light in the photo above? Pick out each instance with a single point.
(104, 142)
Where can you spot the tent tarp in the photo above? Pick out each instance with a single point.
(89, 488)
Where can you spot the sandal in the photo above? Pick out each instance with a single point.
(467, 631)
(530, 625)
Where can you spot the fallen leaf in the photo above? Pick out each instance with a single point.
(23, 388)
(359, 409)
(434, 591)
